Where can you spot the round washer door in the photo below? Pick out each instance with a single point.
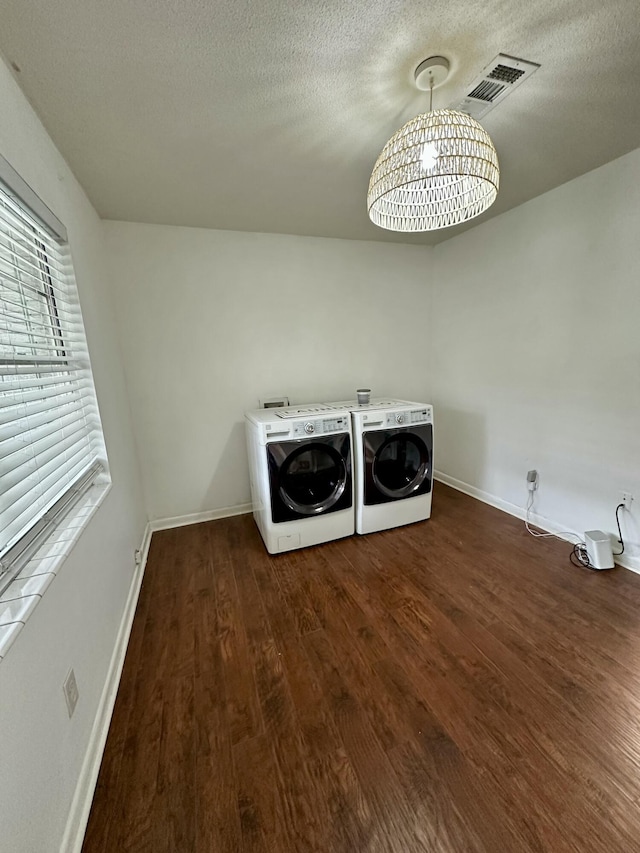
(312, 478)
(400, 465)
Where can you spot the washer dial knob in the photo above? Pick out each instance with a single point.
(309, 428)
(399, 419)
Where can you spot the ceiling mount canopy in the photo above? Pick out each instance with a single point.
(438, 170)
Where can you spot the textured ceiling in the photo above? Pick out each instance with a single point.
(268, 116)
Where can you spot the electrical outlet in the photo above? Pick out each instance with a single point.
(532, 480)
(70, 690)
(626, 499)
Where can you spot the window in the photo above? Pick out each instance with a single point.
(51, 445)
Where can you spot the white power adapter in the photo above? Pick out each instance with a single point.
(599, 549)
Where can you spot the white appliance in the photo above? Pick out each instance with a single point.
(599, 550)
(393, 453)
(300, 466)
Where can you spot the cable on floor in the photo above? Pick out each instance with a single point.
(578, 555)
(560, 535)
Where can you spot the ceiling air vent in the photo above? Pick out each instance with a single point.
(497, 81)
(486, 91)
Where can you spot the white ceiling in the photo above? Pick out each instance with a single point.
(268, 116)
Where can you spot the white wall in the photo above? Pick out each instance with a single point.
(523, 331)
(75, 624)
(535, 358)
(211, 321)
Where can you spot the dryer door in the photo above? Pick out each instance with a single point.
(398, 463)
(309, 477)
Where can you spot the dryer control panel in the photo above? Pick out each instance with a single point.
(408, 418)
(319, 426)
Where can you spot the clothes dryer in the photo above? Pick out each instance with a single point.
(393, 452)
(301, 473)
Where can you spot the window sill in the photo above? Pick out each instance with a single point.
(23, 594)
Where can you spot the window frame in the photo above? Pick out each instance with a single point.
(41, 532)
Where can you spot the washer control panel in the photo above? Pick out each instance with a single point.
(319, 426)
(408, 418)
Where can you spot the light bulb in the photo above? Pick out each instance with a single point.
(429, 155)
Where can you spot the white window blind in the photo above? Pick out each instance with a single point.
(51, 442)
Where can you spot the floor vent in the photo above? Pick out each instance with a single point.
(497, 81)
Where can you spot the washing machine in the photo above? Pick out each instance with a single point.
(393, 454)
(301, 473)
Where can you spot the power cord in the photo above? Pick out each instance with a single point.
(620, 539)
(578, 556)
(560, 535)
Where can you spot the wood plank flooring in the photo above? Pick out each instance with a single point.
(449, 686)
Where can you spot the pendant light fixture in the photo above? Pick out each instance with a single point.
(438, 170)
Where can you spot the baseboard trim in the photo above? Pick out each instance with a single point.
(83, 796)
(631, 563)
(627, 562)
(199, 517)
(487, 498)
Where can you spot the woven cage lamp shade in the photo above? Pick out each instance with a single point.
(439, 169)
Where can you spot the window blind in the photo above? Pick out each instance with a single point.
(50, 435)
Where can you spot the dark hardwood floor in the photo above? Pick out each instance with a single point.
(450, 686)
